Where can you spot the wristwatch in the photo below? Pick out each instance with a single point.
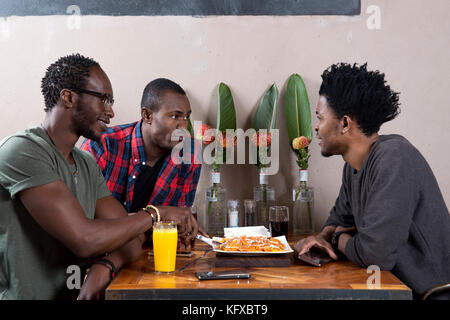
(335, 240)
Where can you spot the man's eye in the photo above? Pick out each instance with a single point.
(187, 118)
(173, 117)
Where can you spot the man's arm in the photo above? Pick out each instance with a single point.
(388, 211)
(340, 216)
(99, 276)
(57, 211)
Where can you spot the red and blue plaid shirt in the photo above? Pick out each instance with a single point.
(120, 154)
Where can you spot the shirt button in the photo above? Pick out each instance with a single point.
(134, 177)
(143, 163)
(125, 203)
(136, 160)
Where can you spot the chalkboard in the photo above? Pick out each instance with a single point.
(179, 7)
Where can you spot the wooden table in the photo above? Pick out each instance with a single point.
(336, 280)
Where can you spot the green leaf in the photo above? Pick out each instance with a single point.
(297, 110)
(226, 115)
(226, 119)
(190, 129)
(266, 114)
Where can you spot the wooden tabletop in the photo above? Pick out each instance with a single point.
(336, 280)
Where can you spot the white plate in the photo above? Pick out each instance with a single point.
(287, 249)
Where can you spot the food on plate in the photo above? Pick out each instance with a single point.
(253, 244)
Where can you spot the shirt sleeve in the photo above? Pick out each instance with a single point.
(190, 184)
(191, 175)
(102, 188)
(341, 214)
(387, 217)
(24, 164)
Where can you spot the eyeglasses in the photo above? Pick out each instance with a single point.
(106, 98)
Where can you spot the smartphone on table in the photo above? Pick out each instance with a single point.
(222, 275)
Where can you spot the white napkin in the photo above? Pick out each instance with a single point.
(247, 231)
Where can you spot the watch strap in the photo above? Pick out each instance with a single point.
(335, 240)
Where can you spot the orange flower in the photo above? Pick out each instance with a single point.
(262, 139)
(227, 142)
(300, 143)
(203, 135)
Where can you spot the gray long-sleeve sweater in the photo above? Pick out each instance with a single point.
(402, 222)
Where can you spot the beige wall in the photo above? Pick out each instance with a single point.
(249, 54)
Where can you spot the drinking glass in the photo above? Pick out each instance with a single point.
(279, 221)
(165, 238)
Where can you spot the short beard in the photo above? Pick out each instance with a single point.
(88, 134)
(82, 128)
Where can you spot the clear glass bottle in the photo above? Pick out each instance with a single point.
(233, 213)
(264, 196)
(303, 212)
(216, 206)
(250, 212)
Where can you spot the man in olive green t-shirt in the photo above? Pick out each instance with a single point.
(55, 208)
(38, 263)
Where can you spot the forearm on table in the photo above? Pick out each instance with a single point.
(327, 232)
(107, 235)
(129, 252)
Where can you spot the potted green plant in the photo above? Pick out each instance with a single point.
(263, 123)
(299, 127)
(216, 195)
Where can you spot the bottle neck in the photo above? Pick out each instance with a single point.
(215, 177)
(303, 175)
(263, 179)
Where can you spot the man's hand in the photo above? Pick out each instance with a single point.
(305, 244)
(95, 284)
(187, 224)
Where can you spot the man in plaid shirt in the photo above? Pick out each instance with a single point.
(136, 158)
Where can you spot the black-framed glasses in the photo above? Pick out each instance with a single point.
(106, 98)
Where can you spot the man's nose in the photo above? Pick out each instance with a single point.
(109, 111)
(182, 124)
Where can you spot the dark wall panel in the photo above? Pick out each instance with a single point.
(180, 7)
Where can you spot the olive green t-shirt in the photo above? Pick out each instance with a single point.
(33, 264)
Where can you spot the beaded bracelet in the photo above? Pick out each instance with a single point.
(156, 210)
(150, 213)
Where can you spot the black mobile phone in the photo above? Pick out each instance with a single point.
(222, 275)
(316, 257)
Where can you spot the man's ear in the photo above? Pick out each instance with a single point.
(147, 115)
(67, 98)
(347, 124)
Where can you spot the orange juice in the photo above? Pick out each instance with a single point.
(165, 237)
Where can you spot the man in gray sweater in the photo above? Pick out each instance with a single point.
(390, 211)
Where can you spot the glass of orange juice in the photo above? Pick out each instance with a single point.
(165, 238)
